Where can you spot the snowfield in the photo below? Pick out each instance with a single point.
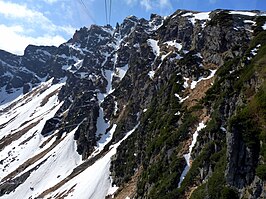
(96, 177)
(51, 163)
(188, 155)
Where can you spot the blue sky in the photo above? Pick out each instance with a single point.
(52, 22)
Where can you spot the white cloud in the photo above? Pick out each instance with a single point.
(22, 12)
(165, 4)
(153, 4)
(146, 4)
(12, 10)
(35, 28)
(9, 9)
(13, 40)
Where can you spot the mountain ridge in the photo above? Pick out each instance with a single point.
(155, 104)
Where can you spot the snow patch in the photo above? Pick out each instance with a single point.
(223, 129)
(250, 21)
(83, 74)
(154, 27)
(264, 26)
(154, 45)
(31, 109)
(202, 16)
(254, 51)
(101, 124)
(199, 55)
(116, 108)
(188, 155)
(198, 16)
(109, 77)
(243, 13)
(185, 85)
(174, 44)
(151, 74)
(177, 57)
(194, 83)
(121, 72)
(180, 98)
(177, 113)
(78, 64)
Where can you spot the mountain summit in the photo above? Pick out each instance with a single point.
(171, 107)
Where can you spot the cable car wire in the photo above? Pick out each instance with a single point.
(105, 6)
(87, 10)
(110, 11)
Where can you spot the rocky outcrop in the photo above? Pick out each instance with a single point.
(162, 77)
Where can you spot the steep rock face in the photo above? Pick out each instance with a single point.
(20, 74)
(220, 40)
(242, 160)
(172, 102)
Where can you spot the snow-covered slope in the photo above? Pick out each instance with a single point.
(41, 163)
(42, 127)
(122, 112)
(22, 145)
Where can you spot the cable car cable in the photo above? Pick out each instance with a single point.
(87, 11)
(110, 11)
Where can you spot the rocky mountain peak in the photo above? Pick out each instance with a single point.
(170, 107)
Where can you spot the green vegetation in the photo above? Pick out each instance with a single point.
(159, 142)
(244, 124)
(162, 166)
(249, 121)
(228, 193)
(260, 21)
(261, 171)
(217, 92)
(222, 18)
(215, 186)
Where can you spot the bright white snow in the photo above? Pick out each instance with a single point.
(154, 45)
(250, 21)
(151, 74)
(198, 16)
(188, 155)
(202, 16)
(60, 163)
(223, 129)
(254, 51)
(185, 85)
(105, 137)
(174, 44)
(194, 83)
(243, 13)
(36, 107)
(31, 109)
(94, 182)
(109, 77)
(121, 72)
(264, 26)
(180, 98)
